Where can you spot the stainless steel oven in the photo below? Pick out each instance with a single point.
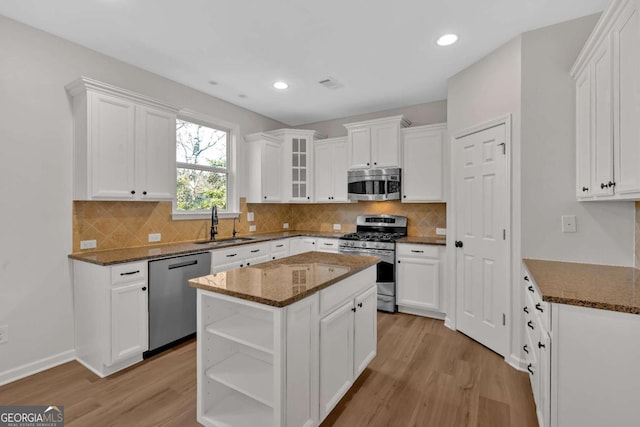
(374, 184)
(376, 235)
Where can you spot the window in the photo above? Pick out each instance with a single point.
(204, 175)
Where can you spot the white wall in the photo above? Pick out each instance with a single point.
(605, 229)
(421, 114)
(35, 181)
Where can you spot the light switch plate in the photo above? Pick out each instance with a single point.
(337, 227)
(250, 217)
(285, 225)
(88, 244)
(441, 231)
(252, 228)
(569, 224)
(155, 237)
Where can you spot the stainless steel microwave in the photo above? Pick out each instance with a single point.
(374, 184)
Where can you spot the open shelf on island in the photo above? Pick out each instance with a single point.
(246, 374)
(246, 330)
(236, 410)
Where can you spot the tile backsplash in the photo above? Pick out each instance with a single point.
(116, 225)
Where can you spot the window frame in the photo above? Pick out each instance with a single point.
(233, 130)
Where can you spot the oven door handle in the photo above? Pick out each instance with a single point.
(366, 251)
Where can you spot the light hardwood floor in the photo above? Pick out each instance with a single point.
(424, 375)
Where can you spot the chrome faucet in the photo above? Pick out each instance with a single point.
(214, 223)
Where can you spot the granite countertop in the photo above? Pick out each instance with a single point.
(587, 285)
(119, 256)
(287, 280)
(424, 240)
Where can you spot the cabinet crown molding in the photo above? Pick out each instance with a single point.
(85, 83)
(399, 119)
(262, 136)
(416, 129)
(602, 28)
(297, 132)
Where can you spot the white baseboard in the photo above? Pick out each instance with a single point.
(516, 362)
(449, 323)
(420, 312)
(23, 371)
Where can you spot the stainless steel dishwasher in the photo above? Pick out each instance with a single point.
(172, 302)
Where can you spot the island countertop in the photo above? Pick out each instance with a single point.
(588, 285)
(284, 281)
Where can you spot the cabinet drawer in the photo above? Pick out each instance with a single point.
(327, 244)
(278, 246)
(336, 295)
(257, 250)
(421, 251)
(130, 272)
(229, 255)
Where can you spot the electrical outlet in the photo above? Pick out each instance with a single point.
(88, 244)
(252, 228)
(337, 227)
(441, 231)
(4, 334)
(285, 225)
(569, 224)
(155, 237)
(250, 217)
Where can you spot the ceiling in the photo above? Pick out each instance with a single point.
(383, 52)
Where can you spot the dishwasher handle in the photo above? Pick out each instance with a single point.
(183, 264)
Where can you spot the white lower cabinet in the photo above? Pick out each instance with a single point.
(239, 256)
(259, 365)
(347, 345)
(327, 244)
(111, 315)
(280, 248)
(302, 244)
(419, 278)
(583, 363)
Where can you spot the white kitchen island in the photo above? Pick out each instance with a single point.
(280, 343)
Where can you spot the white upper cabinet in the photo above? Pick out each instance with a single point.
(330, 165)
(375, 143)
(124, 147)
(264, 168)
(607, 74)
(280, 166)
(423, 163)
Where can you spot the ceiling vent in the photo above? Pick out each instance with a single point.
(330, 83)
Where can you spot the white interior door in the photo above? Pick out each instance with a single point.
(481, 212)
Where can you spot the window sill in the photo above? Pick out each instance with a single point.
(177, 216)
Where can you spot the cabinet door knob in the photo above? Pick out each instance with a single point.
(584, 189)
(353, 309)
(273, 257)
(540, 345)
(404, 196)
(144, 193)
(308, 198)
(133, 191)
(459, 244)
(611, 184)
(360, 304)
(367, 163)
(603, 185)
(265, 197)
(144, 288)
(539, 308)
(398, 261)
(529, 368)
(525, 348)
(375, 163)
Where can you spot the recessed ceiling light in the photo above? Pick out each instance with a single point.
(213, 82)
(280, 85)
(242, 95)
(447, 40)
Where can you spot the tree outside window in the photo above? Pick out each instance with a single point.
(202, 154)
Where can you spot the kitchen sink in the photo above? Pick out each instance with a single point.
(226, 241)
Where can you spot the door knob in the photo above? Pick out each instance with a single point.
(459, 243)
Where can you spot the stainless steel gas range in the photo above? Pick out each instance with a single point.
(376, 235)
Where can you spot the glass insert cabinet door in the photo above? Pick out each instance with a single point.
(299, 169)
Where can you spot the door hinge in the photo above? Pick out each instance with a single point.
(504, 319)
(504, 147)
(504, 234)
